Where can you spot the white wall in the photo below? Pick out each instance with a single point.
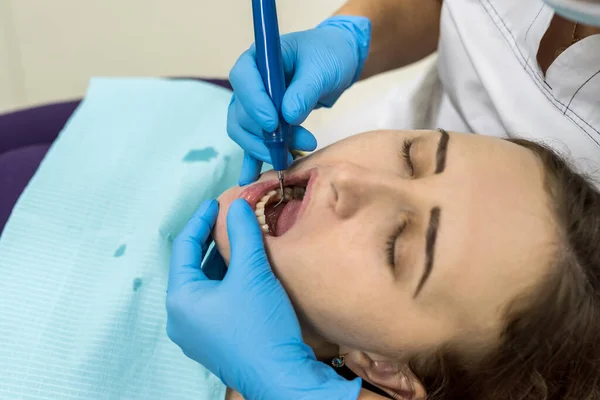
(11, 93)
(50, 48)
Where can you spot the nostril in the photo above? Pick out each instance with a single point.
(343, 200)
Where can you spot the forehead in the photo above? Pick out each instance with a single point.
(496, 237)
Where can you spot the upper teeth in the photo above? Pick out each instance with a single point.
(275, 195)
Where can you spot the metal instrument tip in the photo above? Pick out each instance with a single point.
(280, 178)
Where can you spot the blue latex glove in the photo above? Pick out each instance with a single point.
(243, 328)
(320, 64)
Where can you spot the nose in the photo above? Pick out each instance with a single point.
(355, 188)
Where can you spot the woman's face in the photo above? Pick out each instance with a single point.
(408, 240)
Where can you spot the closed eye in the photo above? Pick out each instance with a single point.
(391, 244)
(406, 146)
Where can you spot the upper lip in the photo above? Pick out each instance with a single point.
(254, 193)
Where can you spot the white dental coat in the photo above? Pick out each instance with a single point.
(487, 80)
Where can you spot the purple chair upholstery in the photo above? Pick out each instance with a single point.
(25, 137)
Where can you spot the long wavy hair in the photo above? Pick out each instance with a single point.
(550, 347)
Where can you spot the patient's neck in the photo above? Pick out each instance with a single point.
(323, 349)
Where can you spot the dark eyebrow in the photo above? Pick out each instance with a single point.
(430, 239)
(434, 218)
(442, 152)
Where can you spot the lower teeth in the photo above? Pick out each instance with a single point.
(289, 193)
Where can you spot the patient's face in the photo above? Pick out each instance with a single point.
(407, 240)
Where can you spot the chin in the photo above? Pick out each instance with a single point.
(263, 196)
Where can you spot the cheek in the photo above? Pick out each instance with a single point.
(337, 282)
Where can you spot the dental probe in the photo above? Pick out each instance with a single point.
(270, 66)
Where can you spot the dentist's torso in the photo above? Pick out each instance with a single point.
(492, 83)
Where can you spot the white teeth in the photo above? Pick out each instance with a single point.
(288, 194)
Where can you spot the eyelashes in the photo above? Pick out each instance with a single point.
(406, 146)
(391, 244)
(390, 249)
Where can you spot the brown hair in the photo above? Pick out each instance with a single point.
(550, 347)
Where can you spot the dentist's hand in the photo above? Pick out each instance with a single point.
(243, 328)
(320, 64)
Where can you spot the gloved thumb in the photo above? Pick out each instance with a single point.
(248, 256)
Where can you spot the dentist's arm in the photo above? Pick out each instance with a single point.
(403, 31)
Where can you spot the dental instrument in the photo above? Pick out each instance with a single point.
(270, 65)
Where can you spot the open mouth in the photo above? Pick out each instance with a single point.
(278, 211)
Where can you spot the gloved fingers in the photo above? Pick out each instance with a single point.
(251, 141)
(249, 135)
(303, 94)
(329, 100)
(302, 139)
(246, 122)
(254, 145)
(250, 91)
(214, 266)
(248, 254)
(190, 246)
(289, 54)
(251, 168)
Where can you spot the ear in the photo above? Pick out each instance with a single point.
(391, 376)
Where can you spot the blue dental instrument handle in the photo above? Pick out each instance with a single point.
(270, 65)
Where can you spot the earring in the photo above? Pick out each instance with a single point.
(339, 361)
